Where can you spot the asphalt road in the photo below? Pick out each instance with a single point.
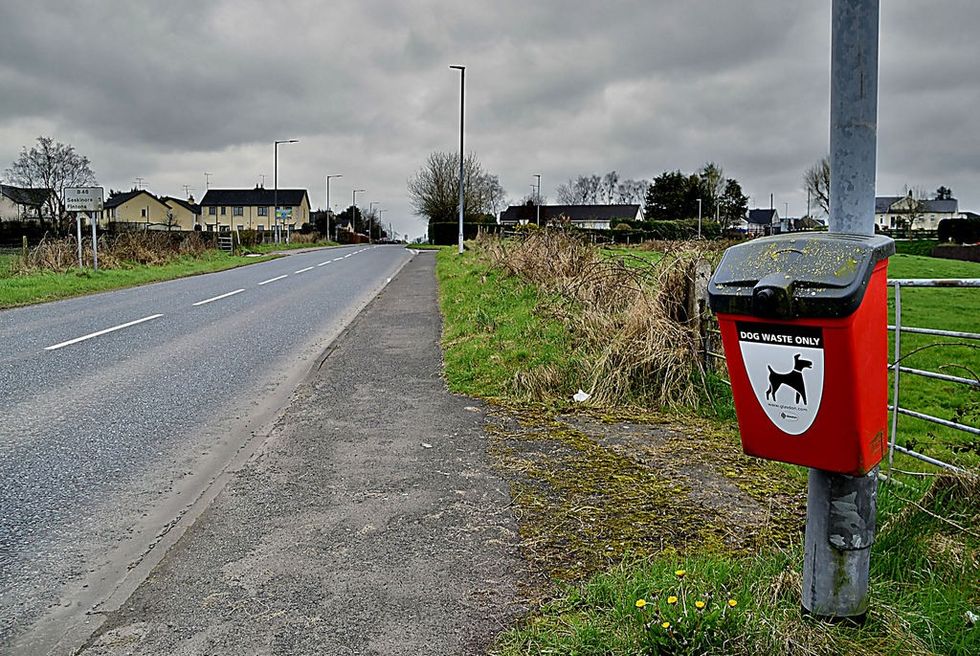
(122, 410)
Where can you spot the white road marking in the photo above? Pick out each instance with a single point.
(348, 255)
(102, 332)
(266, 282)
(303, 270)
(324, 263)
(336, 259)
(218, 298)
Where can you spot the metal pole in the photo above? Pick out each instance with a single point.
(78, 230)
(895, 376)
(462, 90)
(537, 201)
(95, 243)
(275, 197)
(336, 175)
(840, 510)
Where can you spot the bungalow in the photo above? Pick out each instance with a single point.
(908, 213)
(137, 207)
(762, 221)
(594, 217)
(252, 209)
(24, 203)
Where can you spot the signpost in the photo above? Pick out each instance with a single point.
(85, 200)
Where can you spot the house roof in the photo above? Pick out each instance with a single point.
(257, 197)
(34, 197)
(883, 204)
(117, 199)
(762, 216)
(193, 208)
(573, 213)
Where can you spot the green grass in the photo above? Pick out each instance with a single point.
(948, 309)
(923, 582)
(18, 290)
(426, 247)
(924, 564)
(492, 328)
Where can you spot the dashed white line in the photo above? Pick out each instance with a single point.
(336, 259)
(348, 255)
(101, 332)
(266, 282)
(324, 263)
(303, 270)
(218, 298)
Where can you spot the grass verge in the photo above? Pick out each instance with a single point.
(612, 502)
(16, 290)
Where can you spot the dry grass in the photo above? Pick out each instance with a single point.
(122, 251)
(634, 321)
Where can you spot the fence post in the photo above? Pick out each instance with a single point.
(895, 373)
(23, 247)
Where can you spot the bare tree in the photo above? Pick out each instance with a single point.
(583, 190)
(713, 180)
(816, 180)
(55, 166)
(434, 190)
(633, 192)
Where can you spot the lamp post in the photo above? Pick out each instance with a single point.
(335, 175)
(462, 90)
(275, 193)
(537, 201)
(353, 216)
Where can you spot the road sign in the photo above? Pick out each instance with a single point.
(83, 199)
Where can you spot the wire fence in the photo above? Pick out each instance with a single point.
(712, 352)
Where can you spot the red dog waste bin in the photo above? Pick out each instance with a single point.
(804, 327)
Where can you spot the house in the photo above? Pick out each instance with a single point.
(762, 221)
(908, 213)
(24, 203)
(186, 213)
(252, 209)
(136, 208)
(593, 217)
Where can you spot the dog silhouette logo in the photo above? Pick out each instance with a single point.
(792, 379)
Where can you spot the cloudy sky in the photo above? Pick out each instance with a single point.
(168, 90)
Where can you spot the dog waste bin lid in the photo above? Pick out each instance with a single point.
(797, 275)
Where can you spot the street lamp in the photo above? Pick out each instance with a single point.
(335, 175)
(537, 201)
(275, 193)
(353, 216)
(462, 89)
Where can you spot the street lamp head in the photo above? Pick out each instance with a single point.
(282, 141)
(457, 67)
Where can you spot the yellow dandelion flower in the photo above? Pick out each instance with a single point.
(680, 573)
(671, 599)
(666, 625)
(699, 604)
(732, 603)
(640, 603)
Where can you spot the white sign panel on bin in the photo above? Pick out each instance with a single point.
(83, 199)
(785, 365)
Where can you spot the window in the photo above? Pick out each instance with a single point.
(143, 212)
(212, 210)
(241, 227)
(236, 211)
(261, 226)
(223, 208)
(263, 211)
